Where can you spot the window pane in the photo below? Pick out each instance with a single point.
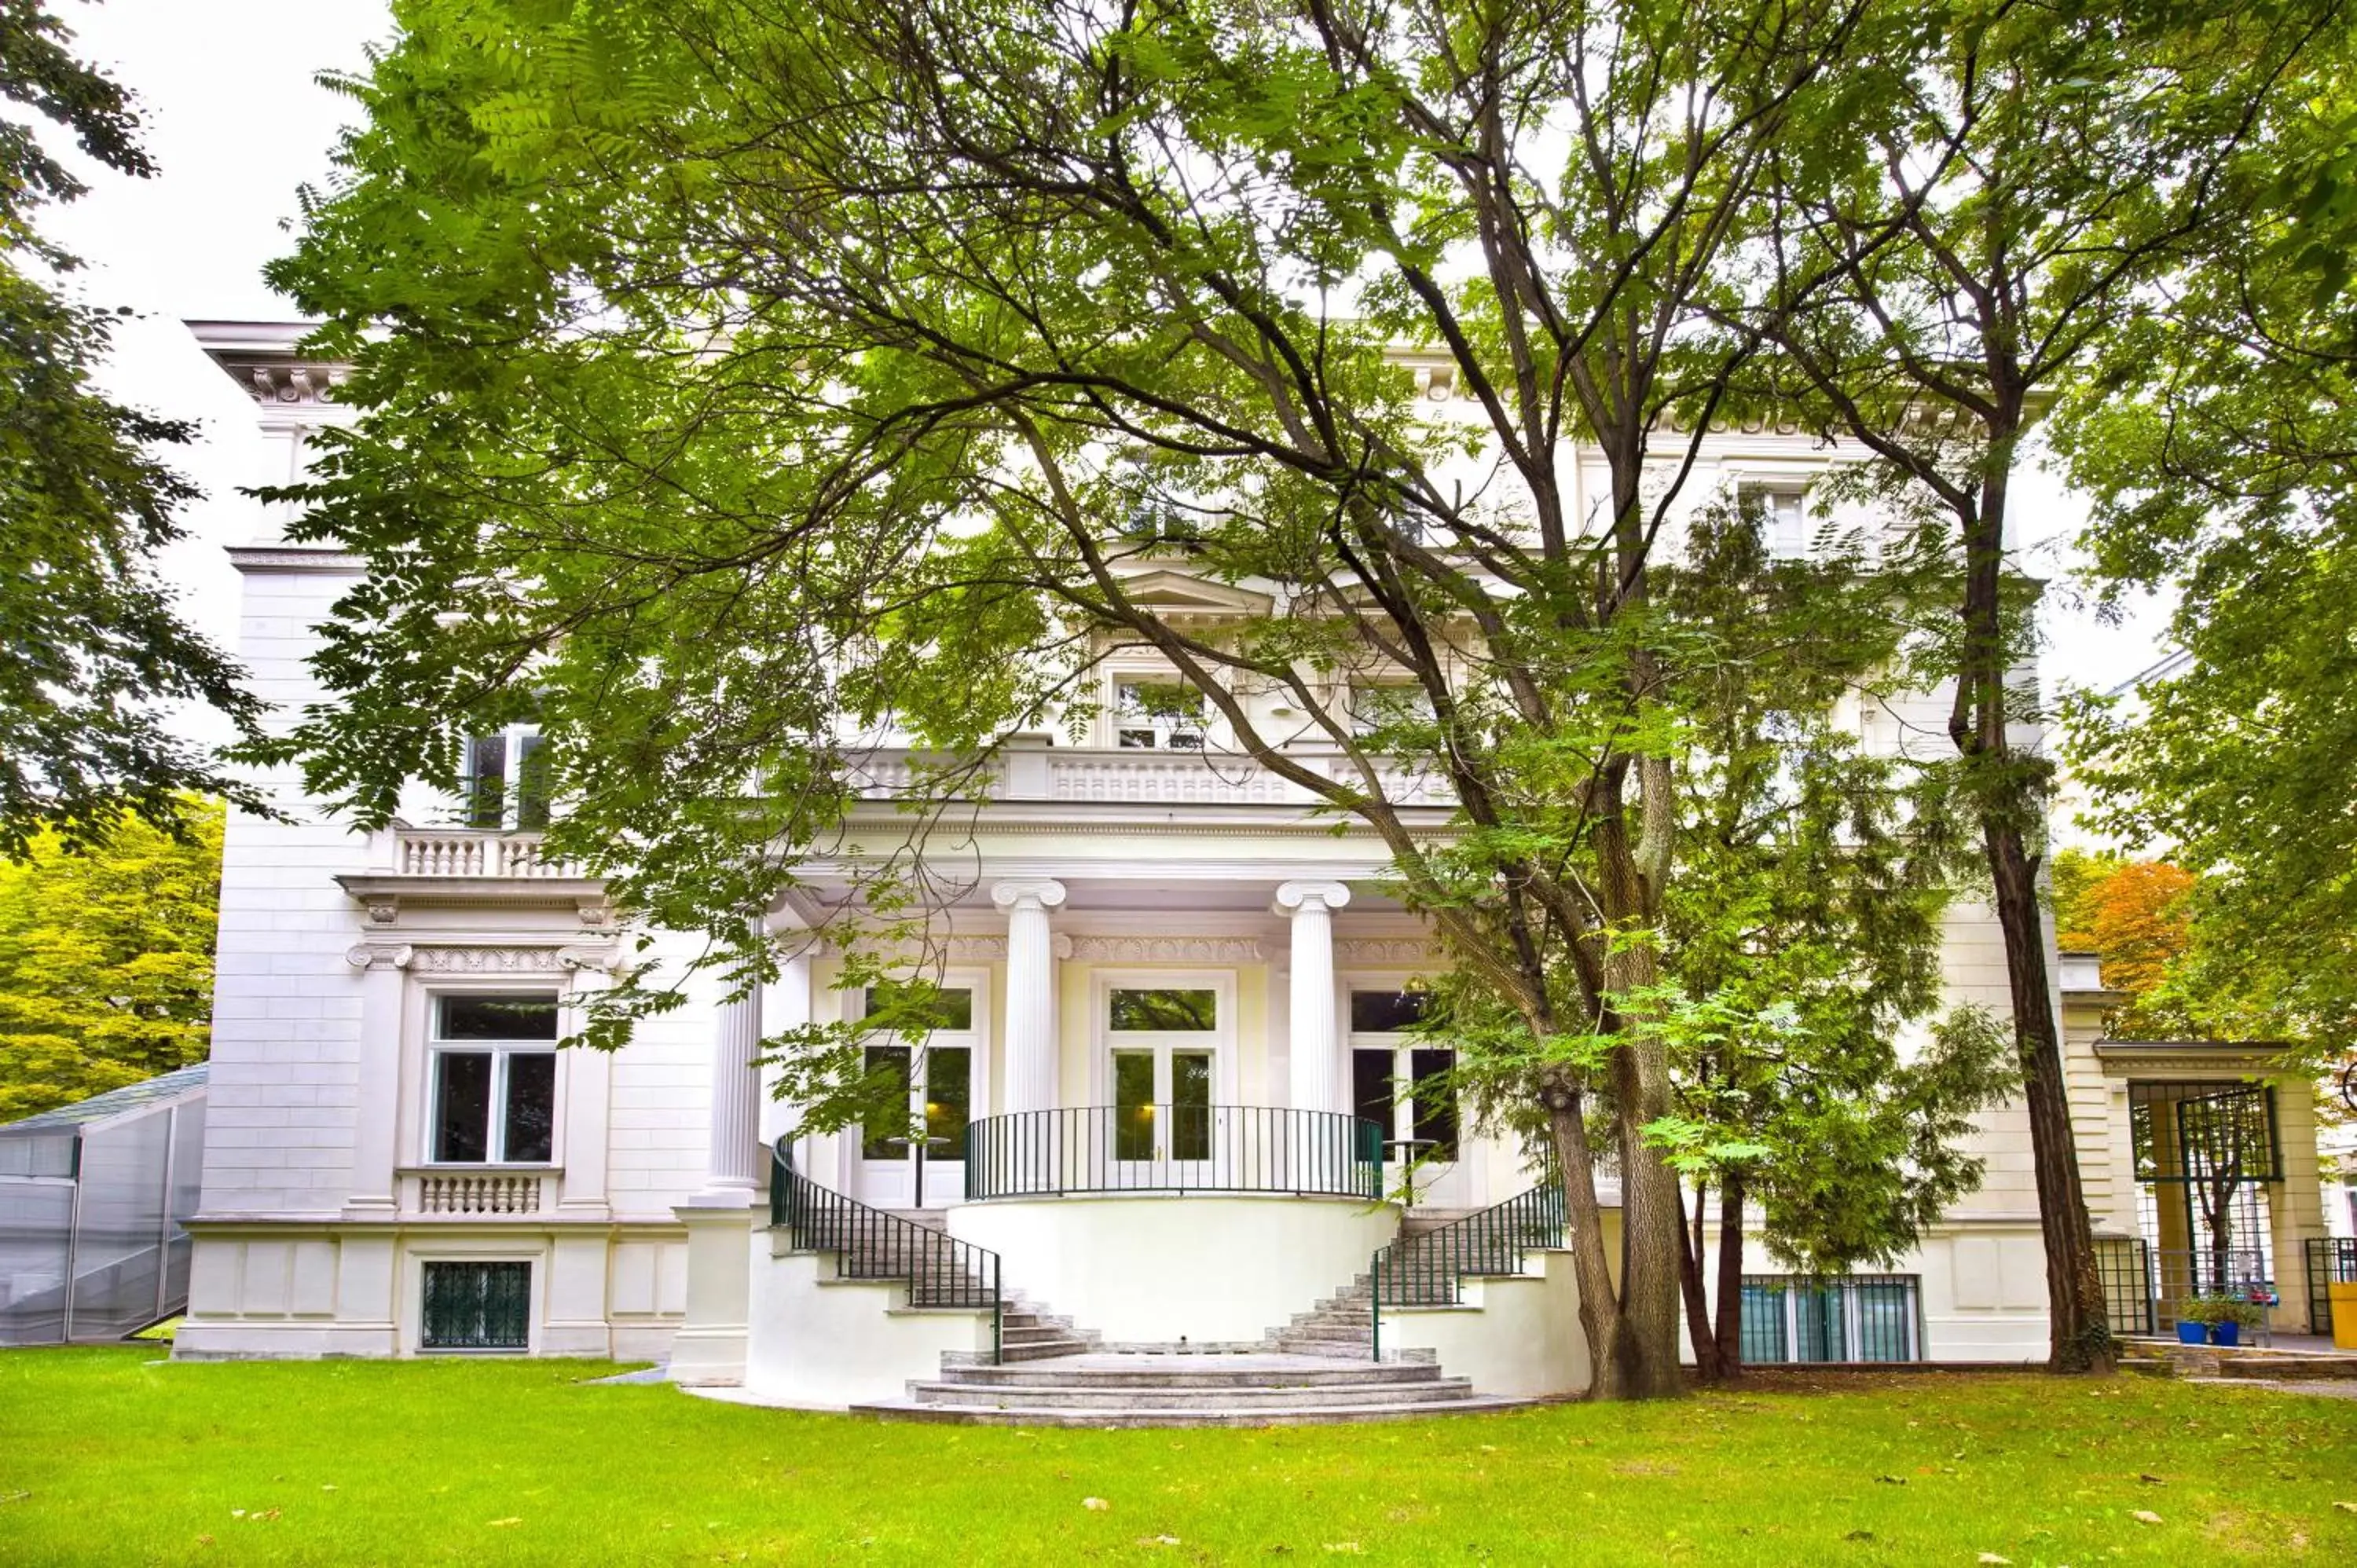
(531, 784)
(462, 1106)
(1191, 1105)
(1884, 1314)
(1817, 1309)
(486, 770)
(949, 1098)
(1387, 1012)
(1371, 1087)
(532, 1106)
(887, 1095)
(529, 1017)
(1436, 1100)
(1763, 1325)
(902, 1003)
(1191, 1012)
(1133, 1100)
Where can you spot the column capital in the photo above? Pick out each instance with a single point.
(1292, 897)
(1028, 892)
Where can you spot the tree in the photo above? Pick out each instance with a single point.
(2137, 915)
(96, 648)
(754, 377)
(106, 959)
(2214, 434)
(2023, 174)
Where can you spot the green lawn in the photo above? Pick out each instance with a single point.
(112, 1456)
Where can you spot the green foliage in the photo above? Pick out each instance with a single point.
(106, 959)
(2214, 434)
(96, 647)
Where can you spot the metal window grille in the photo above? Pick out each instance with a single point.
(2125, 1263)
(477, 1306)
(1792, 1319)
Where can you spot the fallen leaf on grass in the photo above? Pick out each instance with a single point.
(1859, 1535)
(2149, 1479)
(2145, 1516)
(1095, 1505)
(1343, 1546)
(1892, 1480)
(1158, 1540)
(204, 1540)
(502, 1523)
(1992, 1558)
(2344, 1508)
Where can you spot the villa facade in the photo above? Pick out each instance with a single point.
(1169, 1102)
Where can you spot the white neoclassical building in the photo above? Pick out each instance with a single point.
(1168, 1104)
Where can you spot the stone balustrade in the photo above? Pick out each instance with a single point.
(471, 852)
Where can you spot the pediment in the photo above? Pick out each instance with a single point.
(1178, 593)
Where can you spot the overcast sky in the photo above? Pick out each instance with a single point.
(236, 123)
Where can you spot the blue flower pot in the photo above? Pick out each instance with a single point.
(2193, 1333)
(2226, 1334)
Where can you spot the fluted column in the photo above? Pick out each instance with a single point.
(1030, 991)
(1318, 1080)
(732, 1170)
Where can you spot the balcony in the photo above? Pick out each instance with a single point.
(1029, 769)
(470, 867)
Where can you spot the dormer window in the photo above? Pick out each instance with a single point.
(1160, 715)
(1782, 512)
(507, 780)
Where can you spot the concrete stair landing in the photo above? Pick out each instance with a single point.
(1166, 1389)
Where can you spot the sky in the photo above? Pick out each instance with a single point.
(237, 123)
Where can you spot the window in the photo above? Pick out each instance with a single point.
(494, 1079)
(1782, 514)
(1162, 1088)
(1375, 707)
(507, 780)
(1403, 1088)
(1165, 1010)
(1862, 1317)
(477, 1306)
(932, 1085)
(1157, 715)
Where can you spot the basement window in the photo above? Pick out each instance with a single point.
(477, 1306)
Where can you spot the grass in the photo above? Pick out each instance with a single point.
(113, 1456)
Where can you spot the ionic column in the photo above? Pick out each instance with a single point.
(732, 1169)
(1317, 1082)
(1030, 992)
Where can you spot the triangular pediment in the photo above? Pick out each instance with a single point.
(1175, 591)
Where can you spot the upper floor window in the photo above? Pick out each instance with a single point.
(1166, 715)
(1380, 705)
(1782, 510)
(1164, 1009)
(507, 780)
(494, 1079)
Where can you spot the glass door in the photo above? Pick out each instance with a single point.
(1164, 1062)
(912, 1146)
(1405, 1090)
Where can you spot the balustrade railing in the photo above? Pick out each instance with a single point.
(870, 1244)
(464, 852)
(1430, 1269)
(1174, 1149)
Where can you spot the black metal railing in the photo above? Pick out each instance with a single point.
(1174, 1149)
(871, 1245)
(2124, 1265)
(2330, 1259)
(1430, 1269)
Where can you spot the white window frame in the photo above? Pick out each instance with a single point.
(1784, 530)
(1365, 722)
(975, 1039)
(1104, 1040)
(512, 738)
(1402, 1046)
(501, 1052)
(1163, 732)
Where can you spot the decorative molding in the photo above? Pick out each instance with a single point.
(1166, 950)
(955, 949)
(276, 383)
(495, 961)
(1385, 950)
(383, 908)
(379, 955)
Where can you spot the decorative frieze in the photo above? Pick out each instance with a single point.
(537, 960)
(1166, 950)
(1386, 951)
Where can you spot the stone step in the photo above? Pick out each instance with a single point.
(1115, 1372)
(1170, 1396)
(1043, 1350)
(1294, 1415)
(1337, 1349)
(1330, 1328)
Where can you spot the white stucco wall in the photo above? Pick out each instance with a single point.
(1145, 1269)
(1513, 1336)
(826, 1342)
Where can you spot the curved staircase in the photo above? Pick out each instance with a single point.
(1152, 1388)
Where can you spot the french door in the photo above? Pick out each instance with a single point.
(912, 1146)
(1163, 1047)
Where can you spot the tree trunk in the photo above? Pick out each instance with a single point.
(1698, 1325)
(1652, 1214)
(2079, 1338)
(1730, 1274)
(1599, 1307)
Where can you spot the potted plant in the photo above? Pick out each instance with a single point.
(2217, 1319)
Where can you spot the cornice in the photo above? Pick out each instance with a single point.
(256, 560)
(482, 960)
